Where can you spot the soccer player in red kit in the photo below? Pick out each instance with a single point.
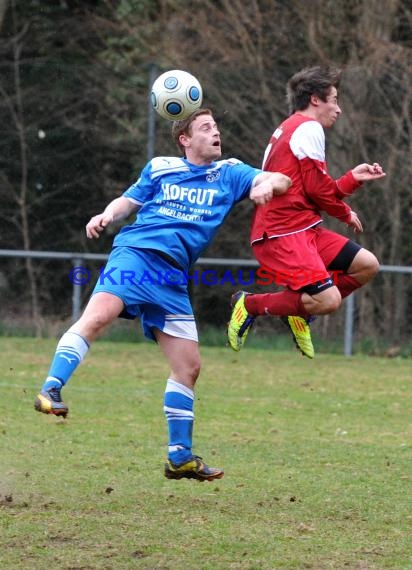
(317, 267)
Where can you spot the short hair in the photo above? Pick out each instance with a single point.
(310, 81)
(184, 126)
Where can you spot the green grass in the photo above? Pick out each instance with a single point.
(317, 458)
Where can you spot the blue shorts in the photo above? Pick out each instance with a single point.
(151, 289)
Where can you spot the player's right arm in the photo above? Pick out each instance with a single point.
(268, 184)
(119, 209)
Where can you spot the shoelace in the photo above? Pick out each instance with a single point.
(55, 395)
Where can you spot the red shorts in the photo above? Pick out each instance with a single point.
(298, 260)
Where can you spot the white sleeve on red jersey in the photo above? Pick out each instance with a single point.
(308, 141)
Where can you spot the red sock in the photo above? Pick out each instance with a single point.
(346, 284)
(280, 304)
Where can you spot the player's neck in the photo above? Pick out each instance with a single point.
(198, 160)
(309, 112)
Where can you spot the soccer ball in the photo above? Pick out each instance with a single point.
(176, 94)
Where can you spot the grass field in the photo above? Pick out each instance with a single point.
(317, 457)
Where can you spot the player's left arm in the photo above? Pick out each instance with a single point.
(350, 181)
(365, 172)
(268, 184)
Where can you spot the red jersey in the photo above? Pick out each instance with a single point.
(297, 149)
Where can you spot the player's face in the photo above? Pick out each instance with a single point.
(328, 111)
(203, 143)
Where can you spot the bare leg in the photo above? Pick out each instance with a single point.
(100, 312)
(364, 266)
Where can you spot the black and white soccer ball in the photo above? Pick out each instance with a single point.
(176, 94)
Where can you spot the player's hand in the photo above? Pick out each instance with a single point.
(97, 224)
(355, 222)
(364, 172)
(261, 195)
(269, 184)
(280, 182)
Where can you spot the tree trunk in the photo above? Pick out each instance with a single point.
(23, 190)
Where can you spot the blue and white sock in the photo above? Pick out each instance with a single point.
(70, 351)
(178, 409)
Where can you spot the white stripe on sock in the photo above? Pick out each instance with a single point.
(174, 386)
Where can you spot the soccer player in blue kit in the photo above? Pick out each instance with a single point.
(181, 203)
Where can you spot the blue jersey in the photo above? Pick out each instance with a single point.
(183, 205)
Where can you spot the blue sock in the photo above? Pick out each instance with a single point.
(178, 409)
(70, 351)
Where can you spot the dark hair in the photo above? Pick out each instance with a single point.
(183, 126)
(310, 81)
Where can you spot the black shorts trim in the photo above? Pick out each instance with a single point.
(345, 257)
(318, 287)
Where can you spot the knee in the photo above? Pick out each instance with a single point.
(100, 312)
(364, 267)
(98, 323)
(194, 370)
(372, 265)
(188, 372)
(92, 325)
(330, 302)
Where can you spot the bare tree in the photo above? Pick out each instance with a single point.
(3, 8)
(14, 103)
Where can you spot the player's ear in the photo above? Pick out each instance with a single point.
(314, 100)
(184, 140)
